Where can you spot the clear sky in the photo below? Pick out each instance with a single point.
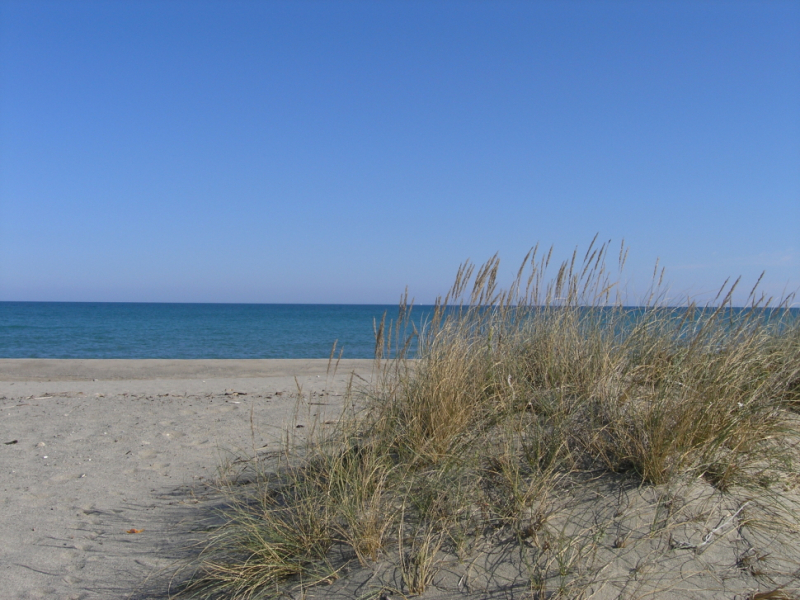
(339, 151)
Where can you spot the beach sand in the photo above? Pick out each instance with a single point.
(93, 449)
(108, 470)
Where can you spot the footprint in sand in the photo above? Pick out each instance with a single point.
(85, 546)
(43, 592)
(76, 565)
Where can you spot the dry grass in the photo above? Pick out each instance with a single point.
(518, 398)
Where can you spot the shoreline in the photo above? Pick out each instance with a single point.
(111, 369)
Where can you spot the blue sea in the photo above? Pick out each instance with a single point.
(187, 331)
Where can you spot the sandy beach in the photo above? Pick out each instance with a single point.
(109, 470)
(91, 450)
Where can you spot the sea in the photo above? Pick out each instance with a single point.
(190, 331)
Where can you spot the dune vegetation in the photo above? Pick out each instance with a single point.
(540, 441)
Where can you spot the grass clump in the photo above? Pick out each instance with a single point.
(516, 398)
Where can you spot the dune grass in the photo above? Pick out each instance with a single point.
(514, 399)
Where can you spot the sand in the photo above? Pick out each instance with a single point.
(92, 449)
(108, 466)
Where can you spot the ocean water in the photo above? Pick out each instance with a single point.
(186, 331)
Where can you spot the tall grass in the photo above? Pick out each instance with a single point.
(513, 395)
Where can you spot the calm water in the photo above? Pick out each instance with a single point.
(144, 330)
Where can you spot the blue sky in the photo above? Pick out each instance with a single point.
(341, 151)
